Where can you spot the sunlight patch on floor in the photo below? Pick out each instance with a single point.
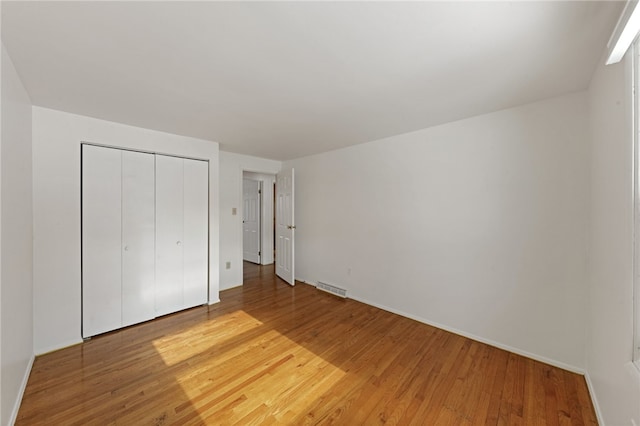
(237, 369)
(203, 337)
(272, 387)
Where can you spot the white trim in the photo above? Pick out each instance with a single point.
(261, 245)
(23, 386)
(489, 342)
(214, 301)
(594, 400)
(624, 33)
(635, 225)
(453, 330)
(46, 350)
(264, 258)
(233, 286)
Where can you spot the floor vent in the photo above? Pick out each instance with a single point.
(332, 289)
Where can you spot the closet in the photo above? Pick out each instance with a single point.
(144, 236)
(181, 244)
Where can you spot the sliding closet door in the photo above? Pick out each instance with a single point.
(101, 240)
(196, 232)
(169, 234)
(138, 237)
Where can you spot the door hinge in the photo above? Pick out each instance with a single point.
(259, 191)
(259, 253)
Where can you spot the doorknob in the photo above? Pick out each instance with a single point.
(291, 227)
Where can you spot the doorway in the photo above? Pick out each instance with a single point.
(258, 216)
(251, 218)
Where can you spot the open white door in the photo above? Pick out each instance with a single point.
(251, 220)
(285, 226)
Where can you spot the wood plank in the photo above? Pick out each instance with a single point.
(269, 353)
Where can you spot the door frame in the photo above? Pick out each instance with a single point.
(268, 222)
(260, 218)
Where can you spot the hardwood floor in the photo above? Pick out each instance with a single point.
(272, 354)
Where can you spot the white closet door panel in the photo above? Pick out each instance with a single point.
(169, 234)
(138, 237)
(196, 232)
(101, 240)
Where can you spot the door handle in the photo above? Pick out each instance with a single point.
(291, 227)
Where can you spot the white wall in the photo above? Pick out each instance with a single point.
(477, 226)
(56, 182)
(231, 171)
(16, 241)
(614, 381)
(266, 215)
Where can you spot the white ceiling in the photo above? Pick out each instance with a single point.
(283, 80)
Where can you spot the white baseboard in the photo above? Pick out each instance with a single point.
(594, 400)
(214, 301)
(489, 342)
(46, 350)
(23, 386)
